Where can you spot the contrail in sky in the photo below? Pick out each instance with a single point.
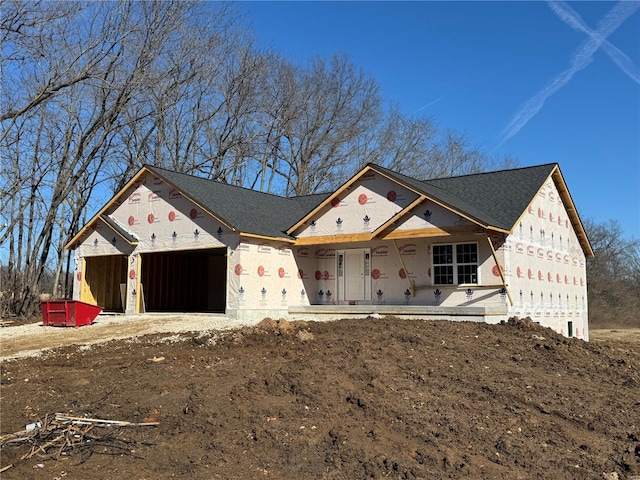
(428, 105)
(569, 16)
(581, 58)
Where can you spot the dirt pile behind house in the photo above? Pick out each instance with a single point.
(352, 399)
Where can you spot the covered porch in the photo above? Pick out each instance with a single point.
(492, 314)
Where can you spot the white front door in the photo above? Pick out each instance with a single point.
(354, 275)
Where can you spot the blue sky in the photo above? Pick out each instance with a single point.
(541, 82)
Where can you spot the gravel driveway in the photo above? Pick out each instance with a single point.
(31, 339)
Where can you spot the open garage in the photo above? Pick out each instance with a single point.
(104, 282)
(184, 281)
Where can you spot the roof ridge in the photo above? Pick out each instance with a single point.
(240, 187)
(490, 172)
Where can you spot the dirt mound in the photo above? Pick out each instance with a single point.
(348, 399)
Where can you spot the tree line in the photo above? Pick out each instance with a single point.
(94, 90)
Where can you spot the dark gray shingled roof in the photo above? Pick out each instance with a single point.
(249, 211)
(495, 199)
(504, 195)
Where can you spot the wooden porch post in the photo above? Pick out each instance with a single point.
(495, 258)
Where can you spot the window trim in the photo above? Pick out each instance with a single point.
(454, 264)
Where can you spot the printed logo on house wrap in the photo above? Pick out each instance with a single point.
(303, 252)
(131, 221)
(260, 271)
(380, 251)
(172, 216)
(284, 249)
(237, 269)
(362, 199)
(408, 249)
(134, 198)
(153, 196)
(193, 213)
(264, 248)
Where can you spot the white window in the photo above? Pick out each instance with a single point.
(455, 264)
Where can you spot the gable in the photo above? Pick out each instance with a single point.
(244, 210)
(547, 222)
(160, 216)
(103, 239)
(431, 215)
(363, 207)
(372, 201)
(502, 196)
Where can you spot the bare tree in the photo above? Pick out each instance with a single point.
(73, 78)
(93, 90)
(315, 114)
(613, 276)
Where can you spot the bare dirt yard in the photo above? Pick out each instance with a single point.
(351, 399)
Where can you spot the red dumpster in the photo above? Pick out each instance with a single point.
(68, 313)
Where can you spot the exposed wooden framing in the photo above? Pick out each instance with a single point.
(85, 292)
(433, 232)
(411, 287)
(328, 200)
(184, 280)
(271, 239)
(504, 281)
(327, 239)
(399, 215)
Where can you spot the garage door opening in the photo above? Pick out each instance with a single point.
(185, 281)
(104, 282)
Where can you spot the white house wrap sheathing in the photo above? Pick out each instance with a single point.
(542, 261)
(161, 220)
(546, 266)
